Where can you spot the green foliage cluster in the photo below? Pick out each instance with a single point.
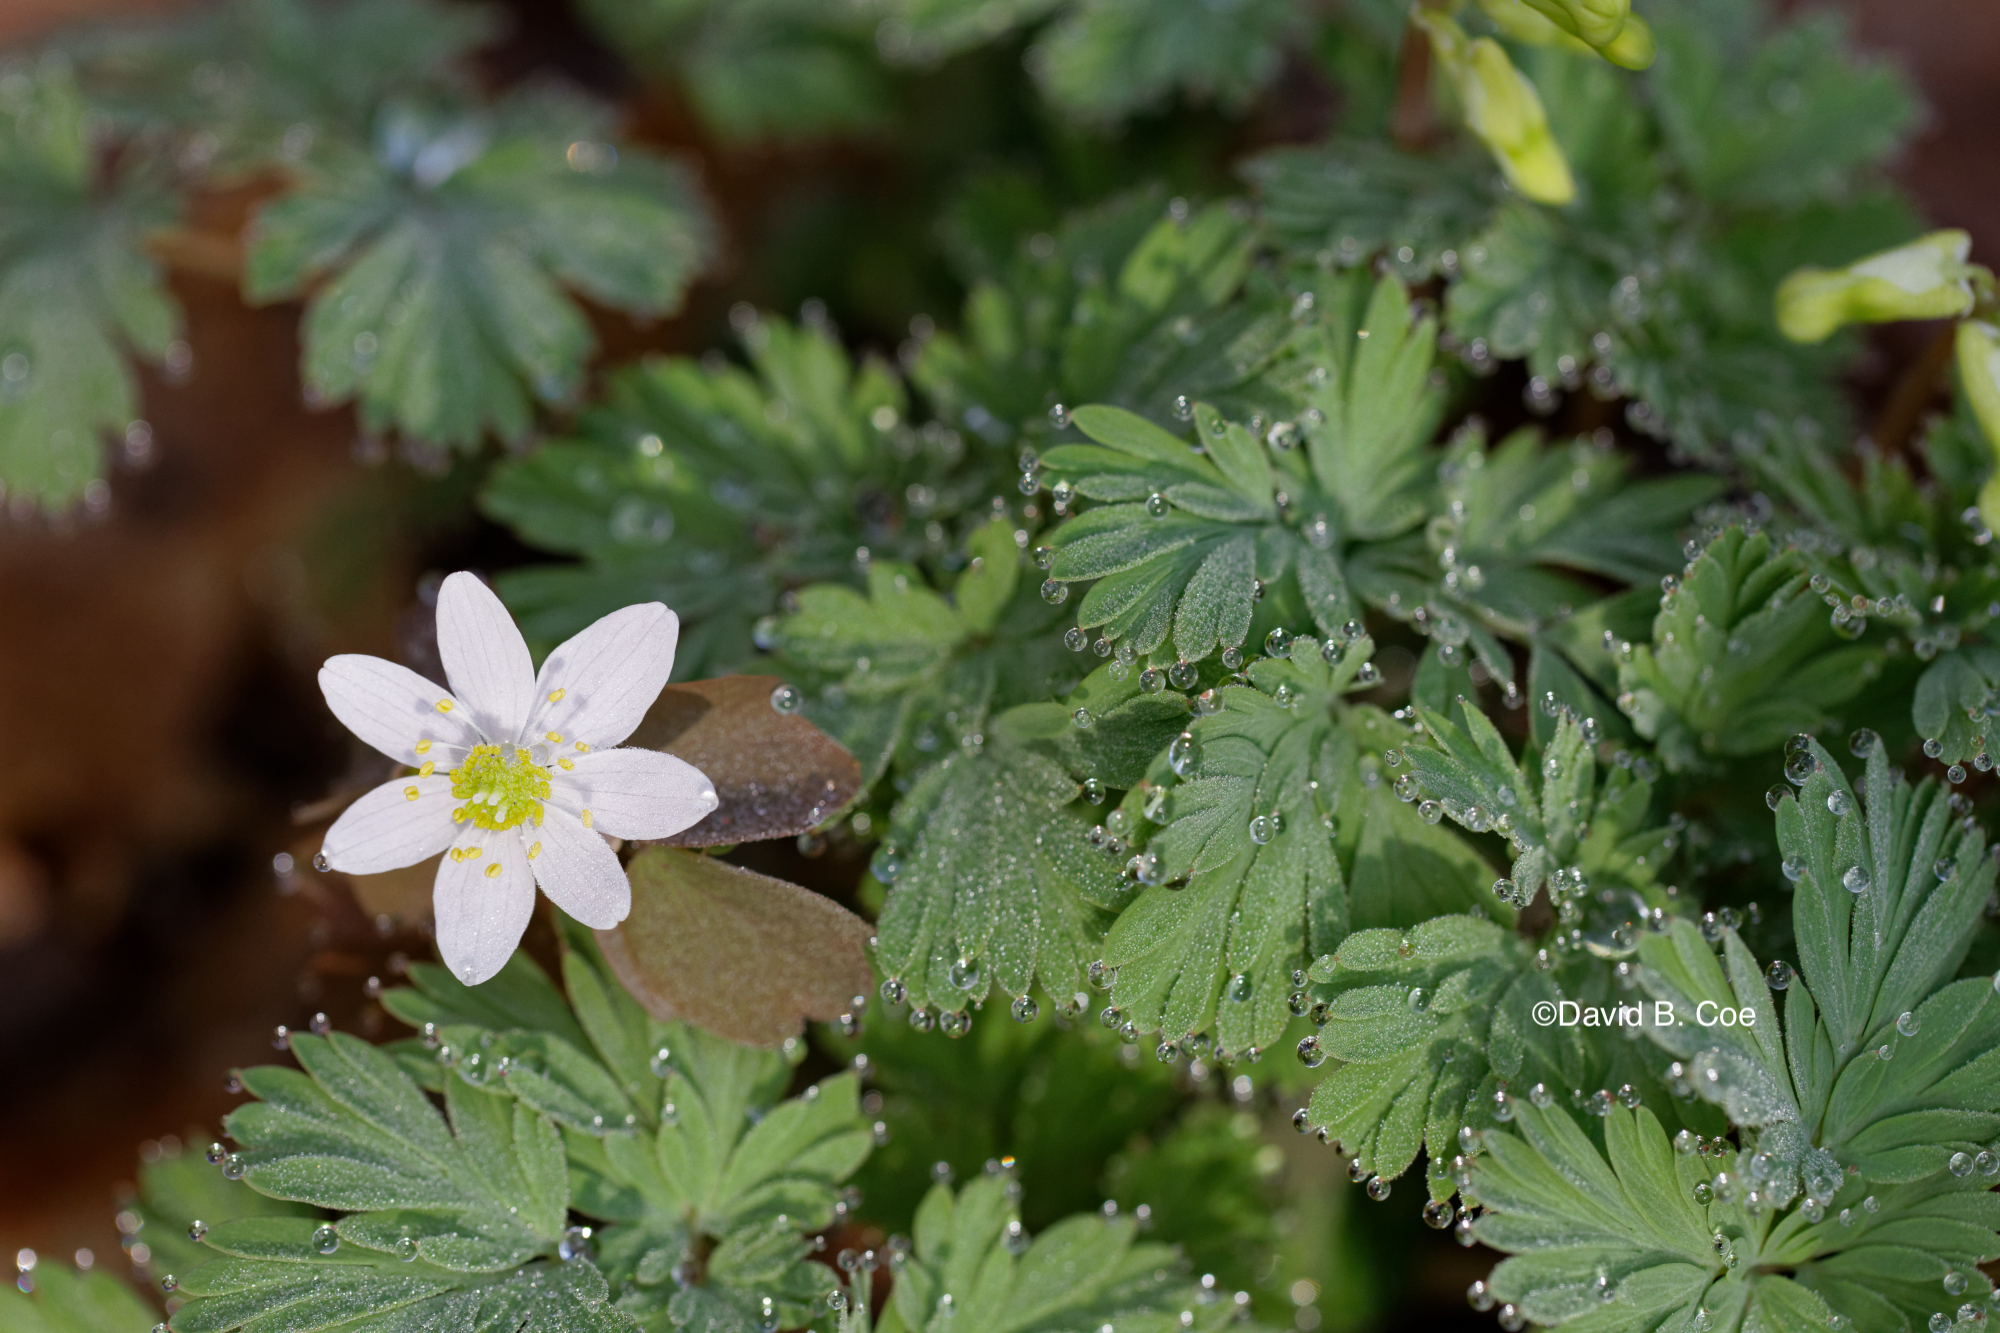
(1349, 626)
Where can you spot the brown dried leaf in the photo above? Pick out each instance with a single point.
(777, 774)
(404, 894)
(741, 954)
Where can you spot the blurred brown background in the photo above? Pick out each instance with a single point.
(156, 666)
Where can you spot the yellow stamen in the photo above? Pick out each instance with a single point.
(565, 763)
(556, 696)
(501, 786)
(423, 747)
(493, 871)
(581, 748)
(555, 738)
(444, 705)
(430, 767)
(587, 820)
(458, 815)
(534, 851)
(410, 793)
(472, 853)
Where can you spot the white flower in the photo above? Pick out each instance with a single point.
(517, 778)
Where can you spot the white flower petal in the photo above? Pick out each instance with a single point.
(480, 915)
(634, 793)
(394, 709)
(485, 658)
(387, 830)
(606, 677)
(578, 871)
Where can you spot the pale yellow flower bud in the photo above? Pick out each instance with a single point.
(1926, 279)
(1503, 109)
(1632, 48)
(1978, 348)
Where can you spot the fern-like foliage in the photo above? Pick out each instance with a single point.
(1742, 145)
(1859, 1192)
(78, 293)
(677, 1143)
(974, 1267)
(1340, 509)
(757, 68)
(1743, 654)
(994, 882)
(1119, 306)
(715, 489)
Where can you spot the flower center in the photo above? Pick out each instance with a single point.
(500, 786)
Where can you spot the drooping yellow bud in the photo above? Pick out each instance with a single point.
(1523, 21)
(1926, 279)
(1503, 109)
(1633, 47)
(1978, 349)
(1597, 22)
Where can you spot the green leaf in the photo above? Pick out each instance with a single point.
(1373, 410)
(297, 73)
(1245, 886)
(710, 489)
(1128, 309)
(1884, 954)
(756, 68)
(1770, 122)
(1743, 655)
(180, 1189)
(1949, 692)
(445, 1214)
(1353, 198)
(77, 292)
(1206, 1182)
(1616, 1241)
(1578, 838)
(722, 1192)
(994, 885)
(1080, 1273)
(1106, 59)
(903, 672)
(66, 1301)
(441, 249)
(1410, 1030)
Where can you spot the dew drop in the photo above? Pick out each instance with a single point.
(1025, 1010)
(325, 1240)
(786, 699)
(1055, 593)
(1855, 880)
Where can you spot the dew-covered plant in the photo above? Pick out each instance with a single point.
(1425, 648)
